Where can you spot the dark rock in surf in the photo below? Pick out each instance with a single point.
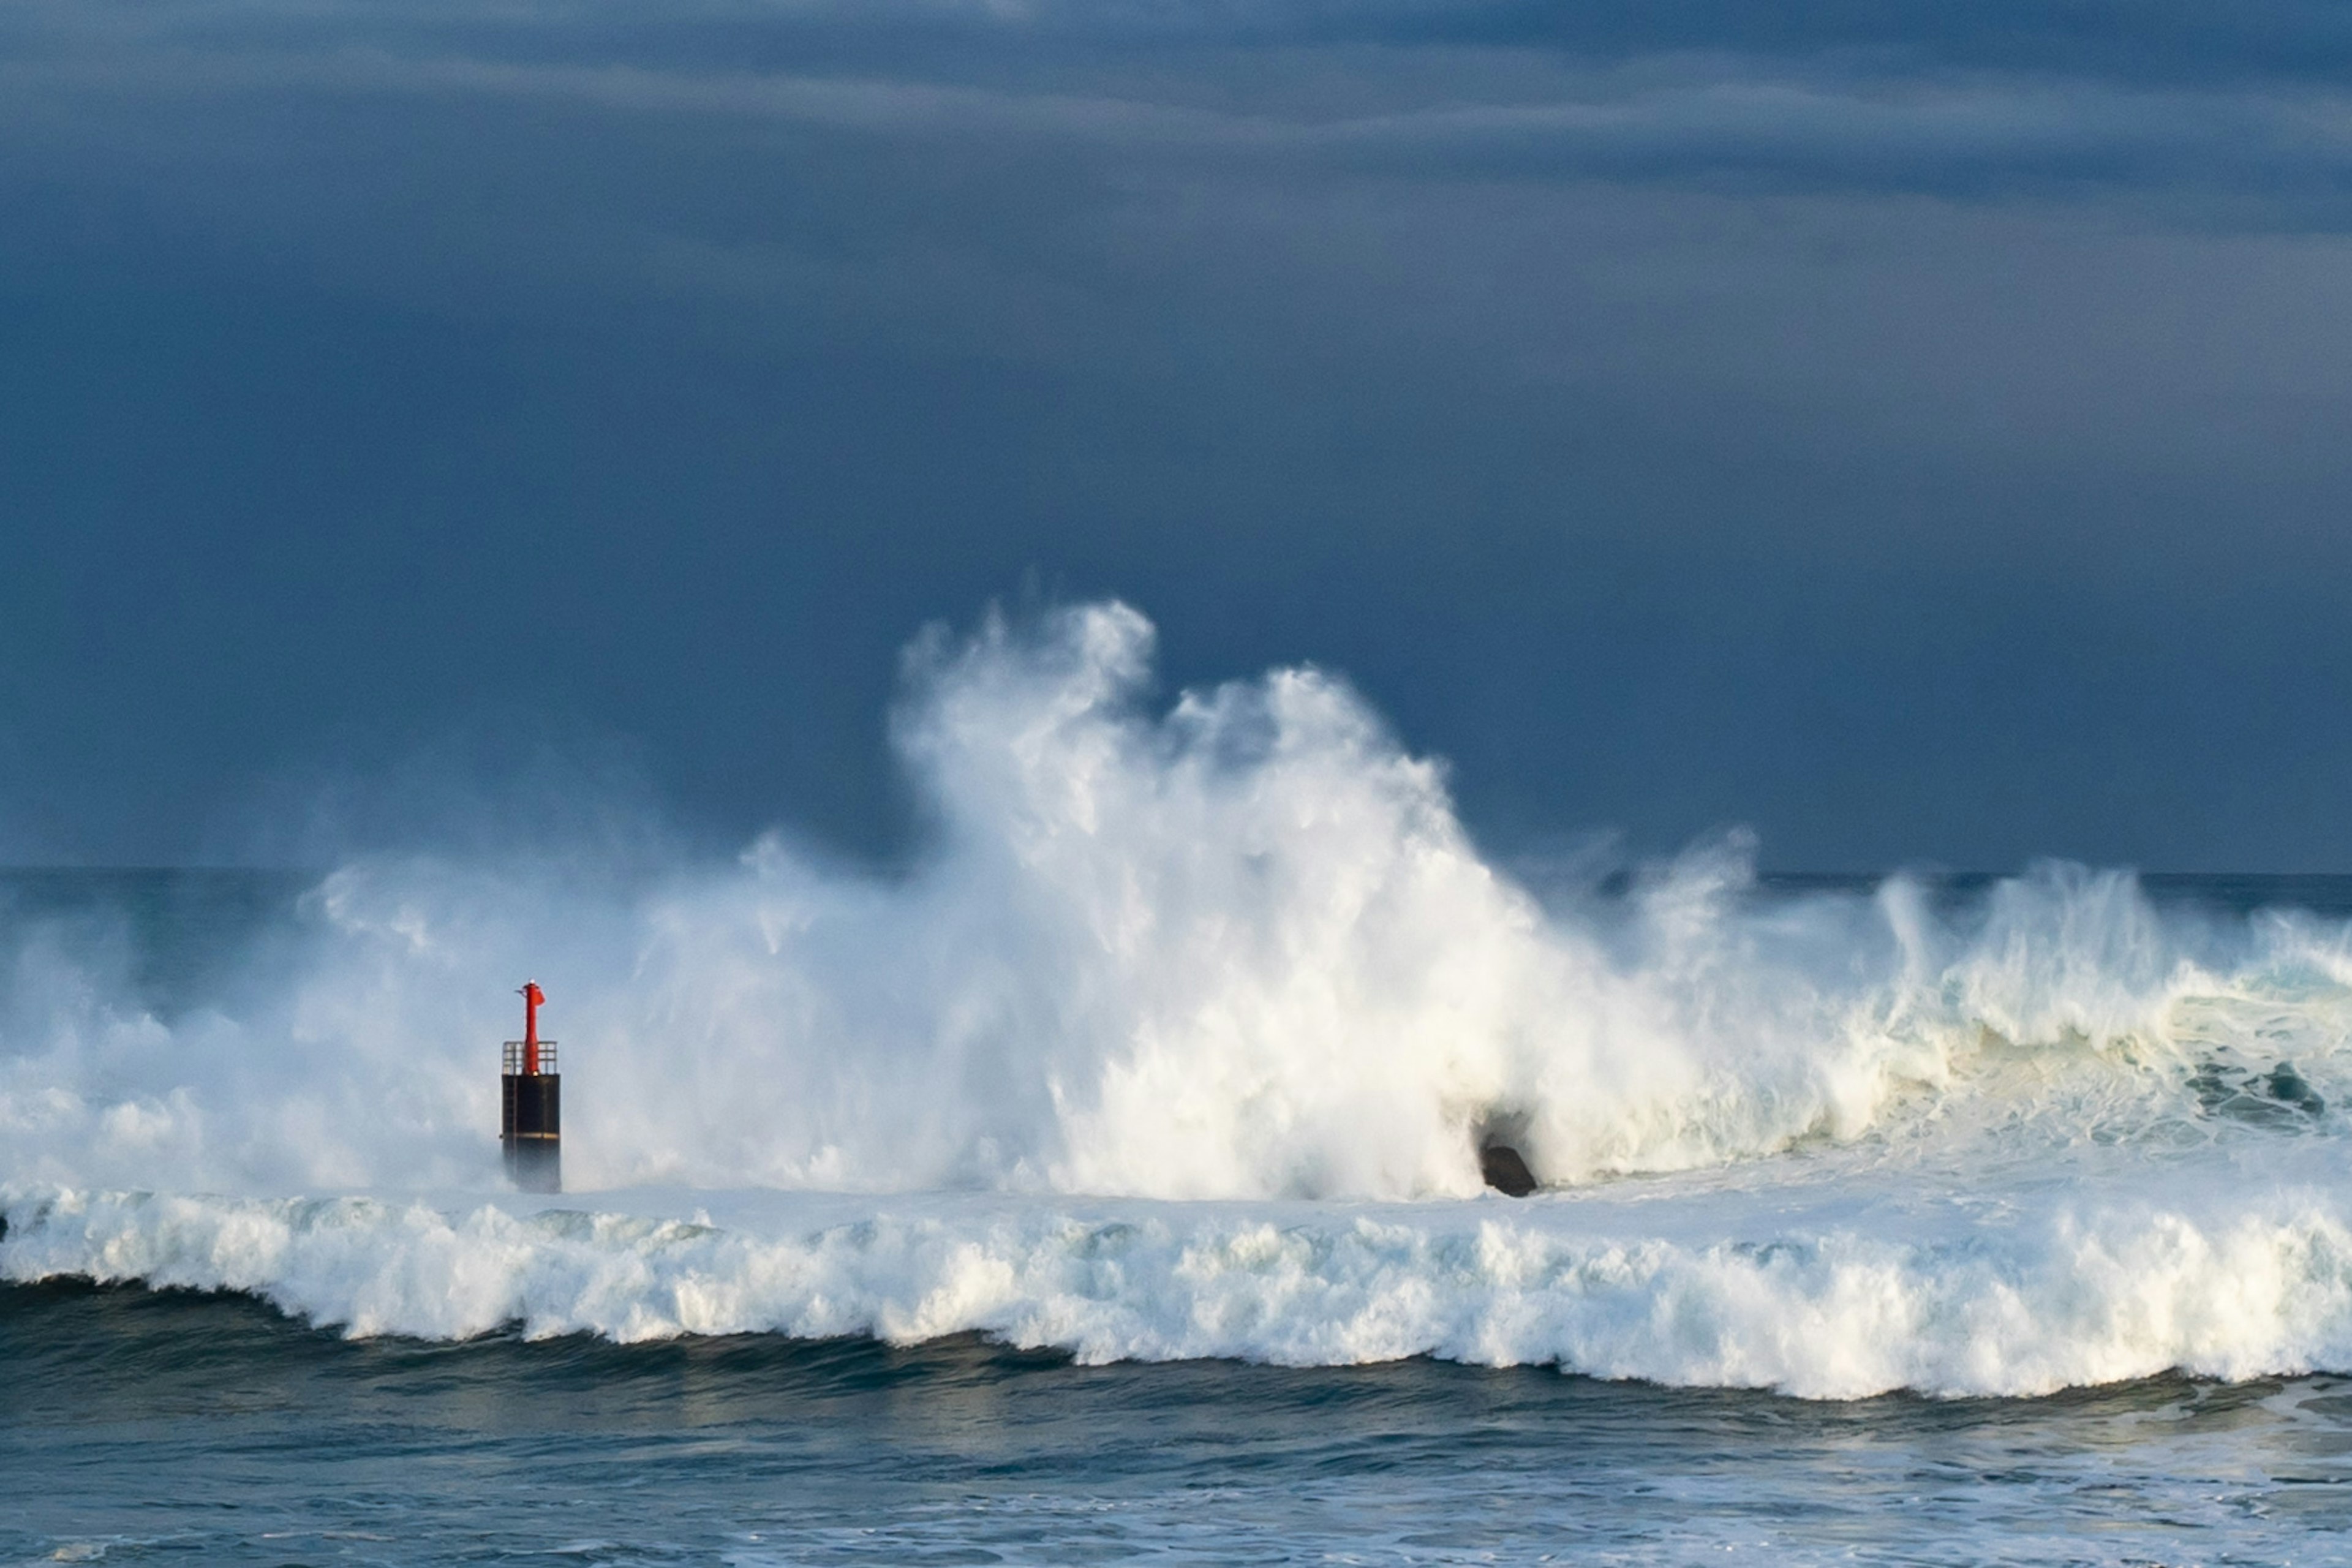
(2280, 1098)
(1504, 1172)
(2288, 1087)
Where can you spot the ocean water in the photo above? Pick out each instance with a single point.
(1103, 1182)
(150, 1425)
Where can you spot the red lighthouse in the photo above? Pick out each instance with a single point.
(531, 1104)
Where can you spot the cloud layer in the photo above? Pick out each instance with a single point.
(1946, 405)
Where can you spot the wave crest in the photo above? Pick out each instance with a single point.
(1841, 1311)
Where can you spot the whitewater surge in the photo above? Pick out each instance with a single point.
(1204, 1011)
(1838, 1313)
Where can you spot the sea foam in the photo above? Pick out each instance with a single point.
(1837, 1310)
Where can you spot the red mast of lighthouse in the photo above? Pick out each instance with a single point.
(531, 997)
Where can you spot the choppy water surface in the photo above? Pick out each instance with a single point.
(166, 1425)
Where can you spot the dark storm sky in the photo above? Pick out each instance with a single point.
(1919, 432)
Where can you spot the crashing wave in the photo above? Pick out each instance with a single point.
(1840, 1309)
(1240, 947)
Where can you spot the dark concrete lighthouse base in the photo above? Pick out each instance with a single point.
(532, 1130)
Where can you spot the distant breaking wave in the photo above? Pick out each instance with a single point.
(1240, 949)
